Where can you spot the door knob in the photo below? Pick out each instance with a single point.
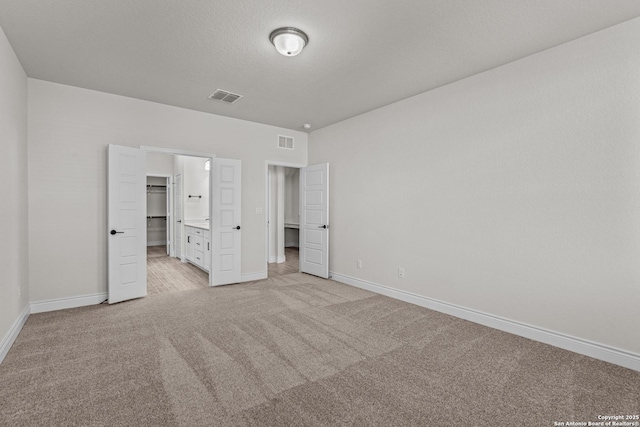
(236, 228)
(114, 232)
(323, 226)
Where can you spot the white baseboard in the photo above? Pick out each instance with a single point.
(250, 277)
(63, 303)
(567, 342)
(279, 259)
(15, 329)
(157, 243)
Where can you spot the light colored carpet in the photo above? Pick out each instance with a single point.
(293, 351)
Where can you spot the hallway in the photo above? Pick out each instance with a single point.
(291, 265)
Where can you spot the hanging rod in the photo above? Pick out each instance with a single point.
(153, 217)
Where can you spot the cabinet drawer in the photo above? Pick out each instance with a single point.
(198, 231)
(199, 258)
(199, 241)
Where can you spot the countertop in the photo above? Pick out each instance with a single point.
(197, 224)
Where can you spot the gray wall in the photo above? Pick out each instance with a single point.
(14, 292)
(69, 129)
(515, 192)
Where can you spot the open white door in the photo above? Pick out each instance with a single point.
(226, 234)
(177, 206)
(127, 264)
(314, 220)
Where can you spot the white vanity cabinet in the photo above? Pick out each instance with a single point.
(207, 252)
(190, 244)
(198, 246)
(199, 240)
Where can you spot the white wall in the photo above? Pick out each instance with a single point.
(13, 189)
(515, 192)
(276, 214)
(195, 183)
(69, 129)
(292, 206)
(292, 195)
(159, 164)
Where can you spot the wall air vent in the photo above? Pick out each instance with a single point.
(285, 142)
(225, 96)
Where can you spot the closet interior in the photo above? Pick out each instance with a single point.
(158, 228)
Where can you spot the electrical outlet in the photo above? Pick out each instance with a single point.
(401, 273)
(359, 263)
(19, 292)
(259, 211)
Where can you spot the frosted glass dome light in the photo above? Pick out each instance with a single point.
(289, 41)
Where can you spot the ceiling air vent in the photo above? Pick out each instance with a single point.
(225, 96)
(285, 142)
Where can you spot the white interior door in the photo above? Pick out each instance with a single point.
(226, 232)
(177, 205)
(168, 217)
(127, 228)
(314, 220)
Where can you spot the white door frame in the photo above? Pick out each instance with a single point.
(169, 179)
(174, 152)
(267, 191)
(175, 219)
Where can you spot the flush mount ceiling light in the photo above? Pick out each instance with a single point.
(288, 41)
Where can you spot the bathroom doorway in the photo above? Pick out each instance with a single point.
(177, 209)
(126, 219)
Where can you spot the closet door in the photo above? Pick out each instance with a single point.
(127, 226)
(314, 220)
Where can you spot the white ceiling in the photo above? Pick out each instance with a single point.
(362, 54)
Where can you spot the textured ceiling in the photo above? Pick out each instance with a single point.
(362, 54)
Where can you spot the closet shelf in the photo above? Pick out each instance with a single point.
(157, 216)
(156, 189)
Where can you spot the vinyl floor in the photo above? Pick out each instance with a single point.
(166, 274)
